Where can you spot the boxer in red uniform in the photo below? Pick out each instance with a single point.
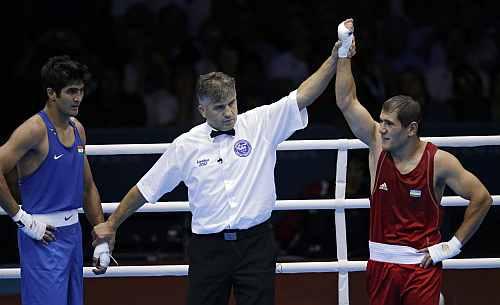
(408, 178)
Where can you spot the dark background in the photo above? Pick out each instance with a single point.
(145, 57)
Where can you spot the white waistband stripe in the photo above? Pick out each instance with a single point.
(394, 254)
(58, 219)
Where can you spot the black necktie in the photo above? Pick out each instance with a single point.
(215, 133)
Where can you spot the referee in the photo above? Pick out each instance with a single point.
(227, 164)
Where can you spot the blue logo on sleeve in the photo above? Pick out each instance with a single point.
(242, 148)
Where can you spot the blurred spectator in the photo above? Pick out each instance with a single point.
(184, 82)
(495, 97)
(468, 102)
(208, 44)
(411, 82)
(438, 75)
(252, 84)
(228, 60)
(162, 106)
(291, 63)
(372, 85)
(171, 32)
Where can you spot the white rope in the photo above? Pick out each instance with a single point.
(134, 149)
(281, 268)
(281, 205)
(126, 149)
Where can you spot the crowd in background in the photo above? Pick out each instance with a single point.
(146, 55)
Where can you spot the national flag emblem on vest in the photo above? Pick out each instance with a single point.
(415, 193)
(80, 149)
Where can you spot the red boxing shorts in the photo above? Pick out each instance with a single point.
(403, 284)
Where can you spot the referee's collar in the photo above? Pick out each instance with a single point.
(209, 129)
(216, 133)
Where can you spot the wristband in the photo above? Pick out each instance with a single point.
(445, 250)
(346, 37)
(29, 225)
(101, 252)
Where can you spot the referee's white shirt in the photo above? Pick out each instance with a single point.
(230, 179)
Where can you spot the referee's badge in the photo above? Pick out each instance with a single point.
(242, 148)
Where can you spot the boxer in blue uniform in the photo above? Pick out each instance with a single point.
(48, 153)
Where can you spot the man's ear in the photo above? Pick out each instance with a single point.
(51, 94)
(412, 129)
(202, 110)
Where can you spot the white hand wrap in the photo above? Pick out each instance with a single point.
(346, 37)
(101, 252)
(29, 225)
(444, 250)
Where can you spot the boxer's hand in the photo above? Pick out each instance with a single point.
(345, 32)
(34, 228)
(101, 258)
(440, 252)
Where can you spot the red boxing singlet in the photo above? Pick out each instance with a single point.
(403, 209)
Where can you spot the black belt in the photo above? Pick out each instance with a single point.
(235, 234)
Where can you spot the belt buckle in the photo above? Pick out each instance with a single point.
(230, 236)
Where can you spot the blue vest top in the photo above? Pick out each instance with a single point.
(57, 184)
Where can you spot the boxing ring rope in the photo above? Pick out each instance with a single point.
(281, 205)
(343, 266)
(340, 144)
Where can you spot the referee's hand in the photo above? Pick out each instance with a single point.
(104, 232)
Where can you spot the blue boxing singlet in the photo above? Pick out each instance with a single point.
(57, 184)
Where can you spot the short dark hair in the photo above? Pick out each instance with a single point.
(214, 86)
(61, 71)
(408, 110)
